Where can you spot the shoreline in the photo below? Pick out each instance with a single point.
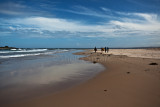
(126, 82)
(42, 76)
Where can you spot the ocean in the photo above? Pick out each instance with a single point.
(27, 73)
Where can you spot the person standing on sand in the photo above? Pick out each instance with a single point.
(107, 49)
(95, 49)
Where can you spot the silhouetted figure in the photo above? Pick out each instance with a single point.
(95, 49)
(102, 49)
(107, 49)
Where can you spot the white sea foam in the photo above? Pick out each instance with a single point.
(13, 49)
(12, 54)
(20, 55)
(24, 50)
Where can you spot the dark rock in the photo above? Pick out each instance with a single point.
(105, 90)
(128, 72)
(94, 62)
(7, 48)
(153, 64)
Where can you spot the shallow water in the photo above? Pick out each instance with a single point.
(27, 77)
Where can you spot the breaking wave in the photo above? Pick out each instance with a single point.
(14, 53)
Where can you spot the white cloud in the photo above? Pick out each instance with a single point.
(11, 8)
(149, 17)
(55, 24)
(136, 26)
(87, 11)
(21, 9)
(142, 24)
(10, 12)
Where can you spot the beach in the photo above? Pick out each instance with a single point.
(131, 79)
(31, 73)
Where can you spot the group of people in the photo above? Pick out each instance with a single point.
(106, 49)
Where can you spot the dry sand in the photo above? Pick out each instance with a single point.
(142, 53)
(126, 82)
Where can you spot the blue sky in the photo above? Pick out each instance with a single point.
(79, 23)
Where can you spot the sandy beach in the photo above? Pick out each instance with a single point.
(131, 79)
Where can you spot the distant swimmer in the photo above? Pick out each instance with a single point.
(95, 49)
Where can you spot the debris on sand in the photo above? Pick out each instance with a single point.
(153, 64)
(128, 72)
(94, 62)
(105, 90)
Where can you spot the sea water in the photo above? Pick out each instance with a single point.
(26, 73)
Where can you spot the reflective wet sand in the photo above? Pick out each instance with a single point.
(24, 78)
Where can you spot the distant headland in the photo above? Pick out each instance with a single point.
(7, 48)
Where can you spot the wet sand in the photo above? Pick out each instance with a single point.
(42, 75)
(126, 82)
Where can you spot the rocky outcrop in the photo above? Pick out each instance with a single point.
(7, 48)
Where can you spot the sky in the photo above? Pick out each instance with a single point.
(79, 23)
